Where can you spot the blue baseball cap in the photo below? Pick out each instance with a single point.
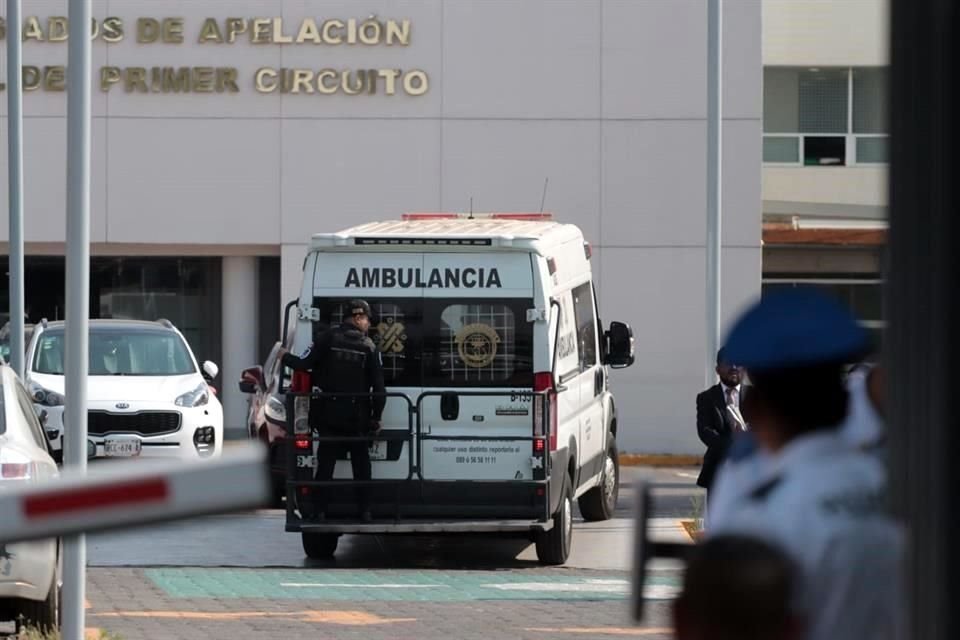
(794, 328)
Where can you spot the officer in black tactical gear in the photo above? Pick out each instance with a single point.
(344, 360)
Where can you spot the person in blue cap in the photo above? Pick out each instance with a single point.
(815, 496)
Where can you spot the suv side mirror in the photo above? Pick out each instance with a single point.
(619, 349)
(210, 370)
(251, 380)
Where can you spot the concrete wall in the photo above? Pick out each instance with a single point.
(839, 185)
(826, 33)
(606, 98)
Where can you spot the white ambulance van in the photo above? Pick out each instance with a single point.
(499, 414)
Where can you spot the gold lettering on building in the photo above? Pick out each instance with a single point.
(398, 33)
(55, 78)
(328, 35)
(278, 36)
(171, 79)
(148, 30)
(173, 30)
(367, 31)
(309, 32)
(32, 30)
(235, 27)
(210, 32)
(261, 31)
(323, 86)
(57, 29)
(112, 30)
(265, 80)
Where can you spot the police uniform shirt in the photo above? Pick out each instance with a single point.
(745, 467)
(863, 427)
(822, 502)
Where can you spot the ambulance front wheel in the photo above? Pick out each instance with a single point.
(320, 546)
(553, 546)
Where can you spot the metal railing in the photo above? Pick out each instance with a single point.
(413, 436)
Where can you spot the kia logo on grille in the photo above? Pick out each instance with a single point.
(123, 405)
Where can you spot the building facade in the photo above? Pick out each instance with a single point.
(223, 137)
(825, 131)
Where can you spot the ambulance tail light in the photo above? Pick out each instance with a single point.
(545, 409)
(300, 383)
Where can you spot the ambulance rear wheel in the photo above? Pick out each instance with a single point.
(320, 546)
(553, 546)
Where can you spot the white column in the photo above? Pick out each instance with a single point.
(240, 313)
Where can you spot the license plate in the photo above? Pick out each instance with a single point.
(378, 450)
(125, 448)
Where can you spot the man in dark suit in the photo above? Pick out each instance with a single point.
(719, 417)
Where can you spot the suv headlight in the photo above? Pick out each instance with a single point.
(196, 398)
(275, 411)
(45, 397)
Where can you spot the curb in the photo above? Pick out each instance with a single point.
(659, 460)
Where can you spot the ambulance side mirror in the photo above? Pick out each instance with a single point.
(619, 352)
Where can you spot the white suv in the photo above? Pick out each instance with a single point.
(146, 396)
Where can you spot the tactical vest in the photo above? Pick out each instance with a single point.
(344, 369)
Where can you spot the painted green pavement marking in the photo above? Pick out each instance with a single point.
(418, 586)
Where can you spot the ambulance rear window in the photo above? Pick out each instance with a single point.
(394, 328)
(481, 342)
(439, 342)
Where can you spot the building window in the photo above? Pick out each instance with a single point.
(863, 296)
(824, 117)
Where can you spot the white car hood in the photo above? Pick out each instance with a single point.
(127, 388)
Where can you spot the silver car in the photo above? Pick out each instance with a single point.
(29, 571)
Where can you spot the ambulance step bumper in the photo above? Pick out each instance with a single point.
(431, 526)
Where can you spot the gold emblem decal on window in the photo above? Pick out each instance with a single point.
(392, 336)
(477, 344)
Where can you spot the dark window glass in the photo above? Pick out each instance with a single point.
(583, 309)
(394, 328)
(823, 151)
(116, 352)
(864, 299)
(823, 95)
(185, 291)
(478, 342)
(442, 342)
(870, 100)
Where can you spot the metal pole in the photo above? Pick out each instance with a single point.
(714, 178)
(15, 181)
(922, 342)
(78, 296)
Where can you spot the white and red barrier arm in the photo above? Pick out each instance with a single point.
(134, 493)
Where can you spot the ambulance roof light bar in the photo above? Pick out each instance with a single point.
(529, 217)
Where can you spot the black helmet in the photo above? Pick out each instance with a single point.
(360, 308)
